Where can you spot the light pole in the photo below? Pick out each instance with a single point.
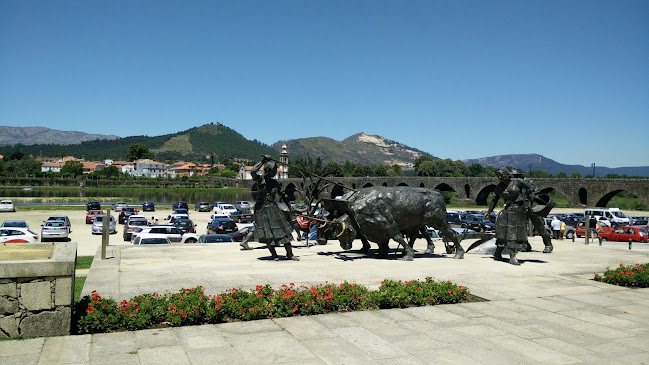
(593, 165)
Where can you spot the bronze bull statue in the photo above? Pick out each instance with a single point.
(379, 214)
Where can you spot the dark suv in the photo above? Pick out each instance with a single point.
(125, 213)
(179, 205)
(221, 225)
(93, 205)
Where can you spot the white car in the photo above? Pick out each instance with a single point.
(17, 235)
(171, 232)
(227, 209)
(7, 206)
(172, 218)
(190, 238)
(151, 239)
(15, 223)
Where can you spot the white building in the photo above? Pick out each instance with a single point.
(149, 168)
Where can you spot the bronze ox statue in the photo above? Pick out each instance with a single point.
(379, 214)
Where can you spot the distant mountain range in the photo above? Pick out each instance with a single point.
(359, 148)
(42, 135)
(200, 143)
(538, 162)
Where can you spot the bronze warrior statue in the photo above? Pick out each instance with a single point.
(522, 202)
(271, 225)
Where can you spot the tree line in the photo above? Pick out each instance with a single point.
(20, 164)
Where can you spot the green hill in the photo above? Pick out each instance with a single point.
(194, 144)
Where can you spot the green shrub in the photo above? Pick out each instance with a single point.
(633, 276)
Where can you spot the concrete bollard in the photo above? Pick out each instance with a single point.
(600, 240)
(630, 241)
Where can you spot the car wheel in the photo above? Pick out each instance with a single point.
(604, 239)
(570, 235)
(191, 240)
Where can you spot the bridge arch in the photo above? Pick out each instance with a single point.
(482, 198)
(402, 184)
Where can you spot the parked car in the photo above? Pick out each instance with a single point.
(148, 207)
(189, 237)
(171, 219)
(454, 219)
(240, 234)
(98, 225)
(54, 229)
(214, 238)
(181, 211)
(625, 234)
(472, 222)
(118, 206)
(242, 204)
(179, 205)
(221, 225)
(185, 225)
(15, 224)
(640, 222)
(125, 213)
(580, 229)
(17, 235)
(91, 214)
(242, 216)
(62, 218)
(171, 232)
(93, 205)
(151, 239)
(7, 206)
(226, 209)
(134, 224)
(202, 207)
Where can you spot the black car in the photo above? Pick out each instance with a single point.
(242, 216)
(179, 205)
(471, 222)
(185, 225)
(202, 207)
(148, 207)
(221, 225)
(93, 205)
(125, 213)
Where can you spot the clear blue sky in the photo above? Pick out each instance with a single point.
(458, 79)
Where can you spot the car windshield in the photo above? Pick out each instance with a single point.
(54, 224)
(137, 223)
(619, 214)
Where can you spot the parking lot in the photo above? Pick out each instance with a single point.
(87, 243)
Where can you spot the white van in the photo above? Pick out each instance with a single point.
(613, 215)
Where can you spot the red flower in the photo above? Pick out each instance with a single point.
(90, 309)
(295, 309)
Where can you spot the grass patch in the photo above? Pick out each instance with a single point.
(84, 262)
(79, 282)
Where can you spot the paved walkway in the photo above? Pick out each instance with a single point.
(547, 311)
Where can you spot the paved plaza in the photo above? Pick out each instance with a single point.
(546, 311)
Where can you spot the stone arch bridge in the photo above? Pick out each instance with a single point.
(475, 190)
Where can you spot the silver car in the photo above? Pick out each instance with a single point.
(98, 225)
(52, 230)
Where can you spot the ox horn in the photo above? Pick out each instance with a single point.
(343, 230)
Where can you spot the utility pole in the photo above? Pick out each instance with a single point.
(593, 165)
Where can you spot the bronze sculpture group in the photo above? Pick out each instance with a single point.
(379, 214)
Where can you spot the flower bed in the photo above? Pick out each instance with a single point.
(94, 314)
(633, 276)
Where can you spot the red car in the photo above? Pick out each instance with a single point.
(625, 234)
(305, 224)
(91, 214)
(579, 230)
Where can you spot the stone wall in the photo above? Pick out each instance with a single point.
(37, 293)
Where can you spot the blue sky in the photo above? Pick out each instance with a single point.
(458, 79)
